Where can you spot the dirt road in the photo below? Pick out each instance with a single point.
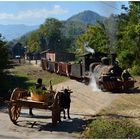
(84, 103)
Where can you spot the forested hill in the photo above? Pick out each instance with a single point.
(86, 17)
(14, 31)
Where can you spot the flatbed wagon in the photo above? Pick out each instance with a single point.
(21, 98)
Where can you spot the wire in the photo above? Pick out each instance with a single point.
(110, 5)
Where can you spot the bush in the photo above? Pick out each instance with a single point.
(126, 58)
(111, 128)
(135, 70)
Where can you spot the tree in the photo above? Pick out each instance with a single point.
(128, 44)
(95, 37)
(111, 27)
(54, 35)
(51, 30)
(18, 49)
(3, 54)
(34, 42)
(71, 31)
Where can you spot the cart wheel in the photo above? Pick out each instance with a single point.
(14, 113)
(14, 109)
(18, 93)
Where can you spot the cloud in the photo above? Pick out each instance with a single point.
(34, 13)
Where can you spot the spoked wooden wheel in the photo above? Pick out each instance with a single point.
(14, 113)
(14, 108)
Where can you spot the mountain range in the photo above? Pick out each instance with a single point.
(15, 31)
(10, 32)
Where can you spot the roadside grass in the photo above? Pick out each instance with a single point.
(32, 73)
(25, 76)
(112, 128)
(120, 120)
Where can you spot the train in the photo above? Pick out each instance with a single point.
(108, 75)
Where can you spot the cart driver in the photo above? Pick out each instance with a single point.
(39, 84)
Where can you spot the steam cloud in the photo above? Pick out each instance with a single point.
(93, 84)
(88, 49)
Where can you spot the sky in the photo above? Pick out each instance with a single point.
(35, 12)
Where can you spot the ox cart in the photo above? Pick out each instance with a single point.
(21, 98)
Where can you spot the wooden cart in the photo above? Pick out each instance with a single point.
(21, 98)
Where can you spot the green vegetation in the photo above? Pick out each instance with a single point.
(128, 37)
(25, 76)
(3, 55)
(95, 37)
(119, 33)
(58, 35)
(112, 128)
(135, 69)
(38, 91)
(119, 120)
(54, 35)
(31, 73)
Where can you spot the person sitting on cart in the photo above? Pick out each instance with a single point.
(39, 84)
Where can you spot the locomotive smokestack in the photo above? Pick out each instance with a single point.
(113, 58)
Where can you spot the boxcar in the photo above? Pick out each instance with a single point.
(76, 71)
(64, 68)
(51, 66)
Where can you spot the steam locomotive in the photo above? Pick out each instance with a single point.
(108, 75)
